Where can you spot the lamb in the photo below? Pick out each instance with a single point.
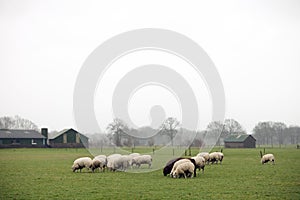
(142, 159)
(266, 158)
(186, 169)
(200, 162)
(83, 162)
(100, 162)
(215, 157)
(205, 155)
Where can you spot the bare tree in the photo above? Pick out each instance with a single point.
(17, 122)
(279, 129)
(293, 132)
(233, 127)
(219, 130)
(215, 130)
(117, 128)
(169, 128)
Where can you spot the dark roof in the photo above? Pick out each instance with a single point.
(18, 133)
(64, 131)
(237, 138)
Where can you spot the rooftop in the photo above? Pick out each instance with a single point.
(237, 138)
(19, 133)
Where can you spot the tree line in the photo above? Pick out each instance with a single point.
(119, 134)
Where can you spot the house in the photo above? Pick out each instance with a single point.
(68, 138)
(13, 138)
(240, 141)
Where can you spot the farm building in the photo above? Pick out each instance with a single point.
(68, 138)
(21, 138)
(240, 141)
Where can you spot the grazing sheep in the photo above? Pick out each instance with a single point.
(121, 163)
(205, 155)
(142, 159)
(200, 162)
(178, 163)
(84, 162)
(110, 160)
(186, 169)
(100, 162)
(266, 158)
(182, 161)
(215, 157)
(168, 168)
(132, 155)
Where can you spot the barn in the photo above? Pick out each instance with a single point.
(240, 141)
(68, 138)
(14, 138)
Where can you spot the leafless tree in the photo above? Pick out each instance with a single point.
(17, 122)
(233, 127)
(215, 130)
(169, 128)
(117, 128)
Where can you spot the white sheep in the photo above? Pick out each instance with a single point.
(110, 160)
(142, 159)
(100, 162)
(266, 158)
(178, 163)
(215, 157)
(205, 155)
(186, 169)
(121, 163)
(132, 155)
(200, 162)
(84, 162)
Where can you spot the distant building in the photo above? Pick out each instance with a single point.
(240, 141)
(68, 138)
(14, 138)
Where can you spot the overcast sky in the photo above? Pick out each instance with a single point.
(255, 46)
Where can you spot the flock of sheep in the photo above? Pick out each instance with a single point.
(186, 167)
(175, 168)
(112, 162)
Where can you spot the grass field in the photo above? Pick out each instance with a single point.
(46, 174)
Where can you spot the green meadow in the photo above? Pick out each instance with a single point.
(46, 174)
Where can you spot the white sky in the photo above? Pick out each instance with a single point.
(255, 46)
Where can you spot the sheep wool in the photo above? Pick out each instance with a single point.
(178, 163)
(205, 155)
(100, 162)
(200, 162)
(168, 168)
(110, 160)
(215, 157)
(268, 158)
(185, 169)
(142, 159)
(84, 162)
